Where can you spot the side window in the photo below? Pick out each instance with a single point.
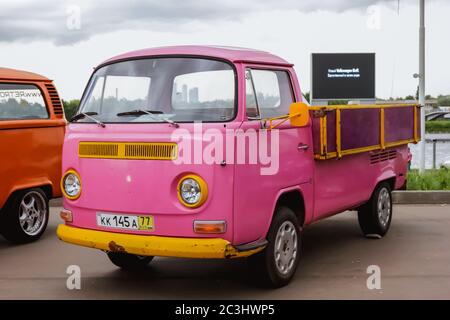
(273, 92)
(21, 101)
(251, 107)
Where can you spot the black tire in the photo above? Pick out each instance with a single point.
(264, 264)
(23, 219)
(128, 261)
(376, 215)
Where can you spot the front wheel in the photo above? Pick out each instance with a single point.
(276, 265)
(25, 216)
(376, 215)
(128, 261)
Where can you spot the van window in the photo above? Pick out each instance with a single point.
(250, 101)
(273, 92)
(112, 94)
(173, 88)
(21, 101)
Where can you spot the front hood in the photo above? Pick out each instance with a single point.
(139, 186)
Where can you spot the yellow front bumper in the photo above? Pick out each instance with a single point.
(145, 245)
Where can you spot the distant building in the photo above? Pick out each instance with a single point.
(193, 95)
(185, 93)
(177, 95)
(175, 89)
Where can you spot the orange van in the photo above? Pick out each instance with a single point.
(32, 127)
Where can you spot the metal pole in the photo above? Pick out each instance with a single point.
(422, 84)
(434, 153)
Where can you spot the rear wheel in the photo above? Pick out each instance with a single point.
(128, 261)
(276, 265)
(25, 216)
(376, 215)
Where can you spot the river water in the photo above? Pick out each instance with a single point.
(442, 152)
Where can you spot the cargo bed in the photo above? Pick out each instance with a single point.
(350, 129)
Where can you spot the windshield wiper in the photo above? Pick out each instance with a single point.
(141, 112)
(138, 112)
(88, 115)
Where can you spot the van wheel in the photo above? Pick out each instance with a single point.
(25, 216)
(277, 263)
(376, 215)
(128, 261)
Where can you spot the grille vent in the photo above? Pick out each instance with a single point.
(383, 156)
(56, 101)
(101, 150)
(128, 150)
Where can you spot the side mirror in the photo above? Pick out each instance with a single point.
(299, 114)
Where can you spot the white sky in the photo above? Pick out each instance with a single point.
(34, 35)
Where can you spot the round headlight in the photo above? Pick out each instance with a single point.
(192, 191)
(71, 185)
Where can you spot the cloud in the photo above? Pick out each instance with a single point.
(58, 21)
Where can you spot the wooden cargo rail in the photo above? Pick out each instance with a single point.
(350, 129)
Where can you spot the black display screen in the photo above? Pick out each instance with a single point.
(343, 76)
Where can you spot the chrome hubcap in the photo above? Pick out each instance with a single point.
(32, 213)
(286, 247)
(384, 207)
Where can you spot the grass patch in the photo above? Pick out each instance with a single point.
(438, 126)
(438, 179)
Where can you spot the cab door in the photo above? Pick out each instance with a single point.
(284, 155)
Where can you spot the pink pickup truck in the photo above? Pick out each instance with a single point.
(209, 152)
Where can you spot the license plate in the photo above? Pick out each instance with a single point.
(127, 222)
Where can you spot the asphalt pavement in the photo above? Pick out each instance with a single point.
(414, 262)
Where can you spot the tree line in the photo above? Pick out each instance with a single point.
(71, 106)
(442, 100)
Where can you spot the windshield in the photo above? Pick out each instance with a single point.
(161, 89)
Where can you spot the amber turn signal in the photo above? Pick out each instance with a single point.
(210, 226)
(66, 215)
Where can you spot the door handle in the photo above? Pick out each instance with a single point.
(302, 146)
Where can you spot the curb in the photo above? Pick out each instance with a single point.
(421, 197)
